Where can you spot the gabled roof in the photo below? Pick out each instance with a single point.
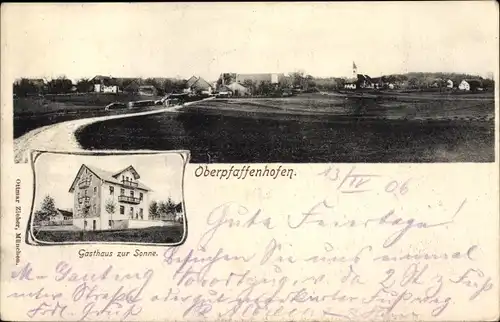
(132, 86)
(235, 86)
(190, 82)
(201, 84)
(147, 87)
(65, 213)
(129, 168)
(107, 176)
(104, 80)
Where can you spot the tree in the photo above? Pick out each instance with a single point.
(297, 79)
(250, 84)
(308, 83)
(413, 82)
(265, 88)
(226, 79)
(153, 210)
(162, 209)
(178, 207)
(47, 209)
(24, 87)
(110, 206)
(170, 205)
(173, 85)
(84, 85)
(60, 85)
(166, 209)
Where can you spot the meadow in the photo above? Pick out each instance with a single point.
(153, 235)
(311, 128)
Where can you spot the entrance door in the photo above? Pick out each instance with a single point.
(93, 224)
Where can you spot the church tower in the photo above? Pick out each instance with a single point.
(354, 70)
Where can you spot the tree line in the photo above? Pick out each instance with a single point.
(164, 209)
(294, 81)
(61, 85)
(412, 80)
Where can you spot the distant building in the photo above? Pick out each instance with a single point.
(273, 78)
(238, 90)
(61, 217)
(361, 81)
(449, 83)
(96, 191)
(470, 85)
(147, 90)
(132, 86)
(104, 84)
(197, 85)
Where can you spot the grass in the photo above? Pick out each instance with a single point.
(311, 128)
(153, 235)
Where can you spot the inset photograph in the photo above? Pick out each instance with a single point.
(108, 198)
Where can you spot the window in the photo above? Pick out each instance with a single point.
(95, 209)
(140, 213)
(140, 196)
(95, 190)
(109, 223)
(85, 223)
(90, 177)
(122, 191)
(122, 210)
(132, 193)
(111, 190)
(78, 194)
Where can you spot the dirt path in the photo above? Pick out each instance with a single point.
(61, 136)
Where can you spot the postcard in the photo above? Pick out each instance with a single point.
(250, 161)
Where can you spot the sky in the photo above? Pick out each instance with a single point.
(181, 40)
(55, 174)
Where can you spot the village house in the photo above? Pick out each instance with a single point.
(59, 218)
(470, 85)
(449, 83)
(273, 78)
(104, 200)
(237, 89)
(147, 90)
(361, 81)
(197, 85)
(132, 86)
(104, 84)
(223, 91)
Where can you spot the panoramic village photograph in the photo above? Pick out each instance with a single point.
(114, 198)
(272, 92)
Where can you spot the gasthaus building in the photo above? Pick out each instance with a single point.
(106, 201)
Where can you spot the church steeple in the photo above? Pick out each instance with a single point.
(354, 70)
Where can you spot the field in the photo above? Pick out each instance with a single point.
(313, 128)
(34, 112)
(154, 235)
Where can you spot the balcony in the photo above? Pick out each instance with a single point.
(129, 199)
(130, 183)
(84, 184)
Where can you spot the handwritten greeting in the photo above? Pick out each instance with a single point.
(292, 267)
